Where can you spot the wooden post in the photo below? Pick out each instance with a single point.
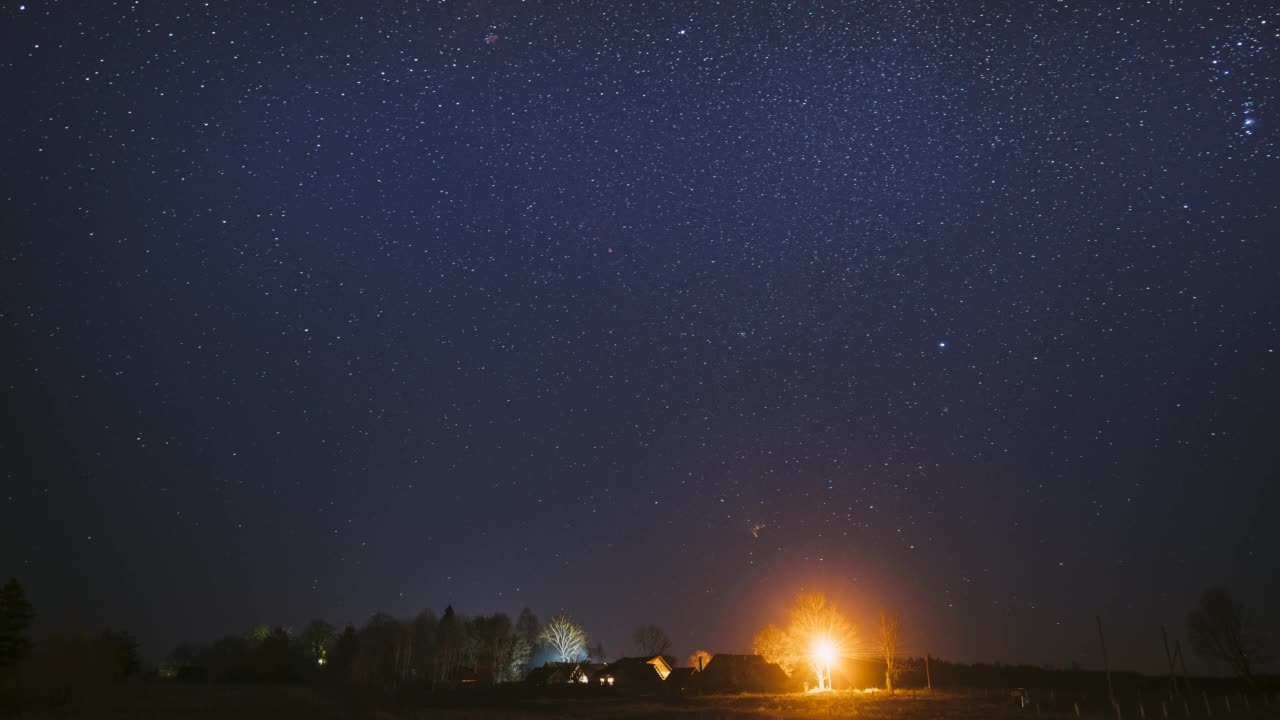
(1106, 664)
(1173, 682)
(1076, 706)
(928, 680)
(1182, 665)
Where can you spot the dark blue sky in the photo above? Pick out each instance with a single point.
(653, 312)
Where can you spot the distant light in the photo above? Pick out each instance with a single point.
(942, 343)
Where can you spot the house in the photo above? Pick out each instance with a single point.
(563, 673)
(744, 673)
(681, 681)
(634, 674)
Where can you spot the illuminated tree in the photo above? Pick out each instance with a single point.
(774, 646)
(566, 637)
(889, 643)
(1220, 631)
(818, 635)
(699, 660)
(651, 640)
(316, 638)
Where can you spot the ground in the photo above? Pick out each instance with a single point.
(210, 702)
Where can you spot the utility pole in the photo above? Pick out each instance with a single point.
(1182, 663)
(1173, 681)
(1106, 662)
(928, 680)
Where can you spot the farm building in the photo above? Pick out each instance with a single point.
(635, 673)
(563, 673)
(743, 673)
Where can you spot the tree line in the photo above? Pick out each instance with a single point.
(388, 653)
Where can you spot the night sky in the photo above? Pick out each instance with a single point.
(653, 312)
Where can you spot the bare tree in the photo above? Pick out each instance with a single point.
(651, 640)
(1220, 631)
(772, 644)
(818, 635)
(699, 660)
(889, 643)
(565, 636)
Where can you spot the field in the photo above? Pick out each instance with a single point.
(220, 702)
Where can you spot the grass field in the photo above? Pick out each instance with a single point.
(231, 702)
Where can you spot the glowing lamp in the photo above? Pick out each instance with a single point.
(824, 652)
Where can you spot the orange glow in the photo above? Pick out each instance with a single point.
(823, 654)
(823, 651)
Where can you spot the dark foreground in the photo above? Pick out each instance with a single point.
(231, 702)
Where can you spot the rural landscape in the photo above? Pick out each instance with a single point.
(639, 359)
(815, 666)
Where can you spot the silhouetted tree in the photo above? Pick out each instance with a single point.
(451, 646)
(386, 652)
(15, 618)
(424, 646)
(346, 648)
(123, 650)
(527, 627)
(274, 659)
(596, 653)
(488, 646)
(651, 640)
(1220, 631)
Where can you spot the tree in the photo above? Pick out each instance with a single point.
(489, 640)
(424, 646)
(566, 637)
(1220, 631)
(595, 653)
(651, 640)
(699, 659)
(527, 627)
(316, 638)
(15, 618)
(889, 643)
(123, 650)
(818, 635)
(518, 655)
(451, 645)
(346, 648)
(772, 644)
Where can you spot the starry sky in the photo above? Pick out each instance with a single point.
(653, 312)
